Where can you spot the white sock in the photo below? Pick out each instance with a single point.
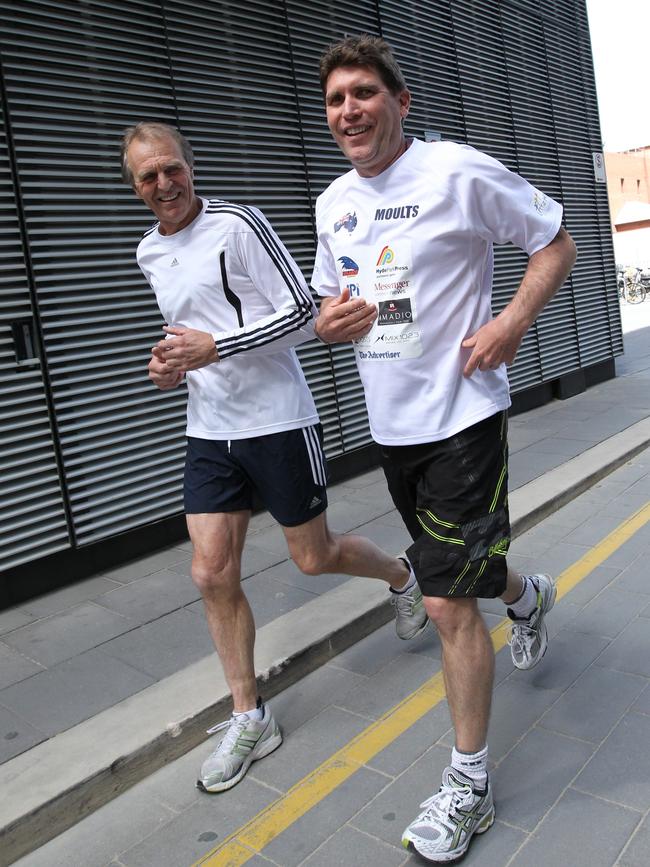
(411, 579)
(525, 604)
(257, 713)
(473, 765)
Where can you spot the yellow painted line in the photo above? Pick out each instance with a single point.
(252, 837)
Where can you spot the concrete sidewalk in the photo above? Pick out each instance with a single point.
(105, 681)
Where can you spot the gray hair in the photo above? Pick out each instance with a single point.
(149, 129)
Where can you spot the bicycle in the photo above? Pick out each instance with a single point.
(633, 290)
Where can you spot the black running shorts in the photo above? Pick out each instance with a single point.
(286, 470)
(453, 498)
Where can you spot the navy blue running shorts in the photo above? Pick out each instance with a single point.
(286, 470)
(453, 498)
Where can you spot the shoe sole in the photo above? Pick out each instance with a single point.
(453, 857)
(269, 745)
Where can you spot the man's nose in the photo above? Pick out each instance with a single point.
(351, 105)
(164, 182)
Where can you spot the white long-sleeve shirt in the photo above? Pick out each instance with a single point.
(229, 274)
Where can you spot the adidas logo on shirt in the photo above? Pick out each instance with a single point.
(315, 502)
(174, 263)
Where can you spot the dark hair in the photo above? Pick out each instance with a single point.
(363, 50)
(149, 129)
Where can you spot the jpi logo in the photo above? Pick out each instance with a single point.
(354, 290)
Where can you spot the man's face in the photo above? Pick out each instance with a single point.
(164, 182)
(365, 118)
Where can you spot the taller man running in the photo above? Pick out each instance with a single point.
(432, 359)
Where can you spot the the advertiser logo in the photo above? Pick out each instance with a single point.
(395, 312)
(354, 289)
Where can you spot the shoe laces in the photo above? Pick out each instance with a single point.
(235, 726)
(523, 634)
(403, 602)
(443, 802)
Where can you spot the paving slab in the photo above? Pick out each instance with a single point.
(594, 704)
(146, 599)
(72, 691)
(15, 667)
(67, 634)
(293, 846)
(620, 769)
(368, 851)
(557, 760)
(635, 853)
(16, 735)
(579, 830)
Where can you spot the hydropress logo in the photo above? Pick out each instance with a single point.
(386, 263)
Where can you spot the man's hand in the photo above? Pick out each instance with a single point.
(493, 344)
(188, 349)
(341, 320)
(498, 341)
(162, 375)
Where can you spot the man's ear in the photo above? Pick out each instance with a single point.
(404, 103)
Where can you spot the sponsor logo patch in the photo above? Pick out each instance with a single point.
(403, 212)
(349, 267)
(540, 202)
(395, 312)
(387, 263)
(348, 221)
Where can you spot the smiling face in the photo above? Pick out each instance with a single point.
(164, 181)
(365, 118)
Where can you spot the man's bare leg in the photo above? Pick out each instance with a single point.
(218, 541)
(467, 665)
(514, 586)
(316, 550)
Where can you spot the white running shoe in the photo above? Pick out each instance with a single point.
(444, 829)
(410, 616)
(528, 638)
(245, 741)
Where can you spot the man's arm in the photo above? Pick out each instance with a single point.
(257, 252)
(497, 341)
(341, 320)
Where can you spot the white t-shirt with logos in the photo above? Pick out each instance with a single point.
(229, 274)
(417, 241)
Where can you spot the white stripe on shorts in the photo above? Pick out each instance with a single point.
(315, 452)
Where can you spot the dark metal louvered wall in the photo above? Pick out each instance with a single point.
(88, 447)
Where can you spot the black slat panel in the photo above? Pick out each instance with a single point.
(311, 27)
(32, 514)
(76, 76)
